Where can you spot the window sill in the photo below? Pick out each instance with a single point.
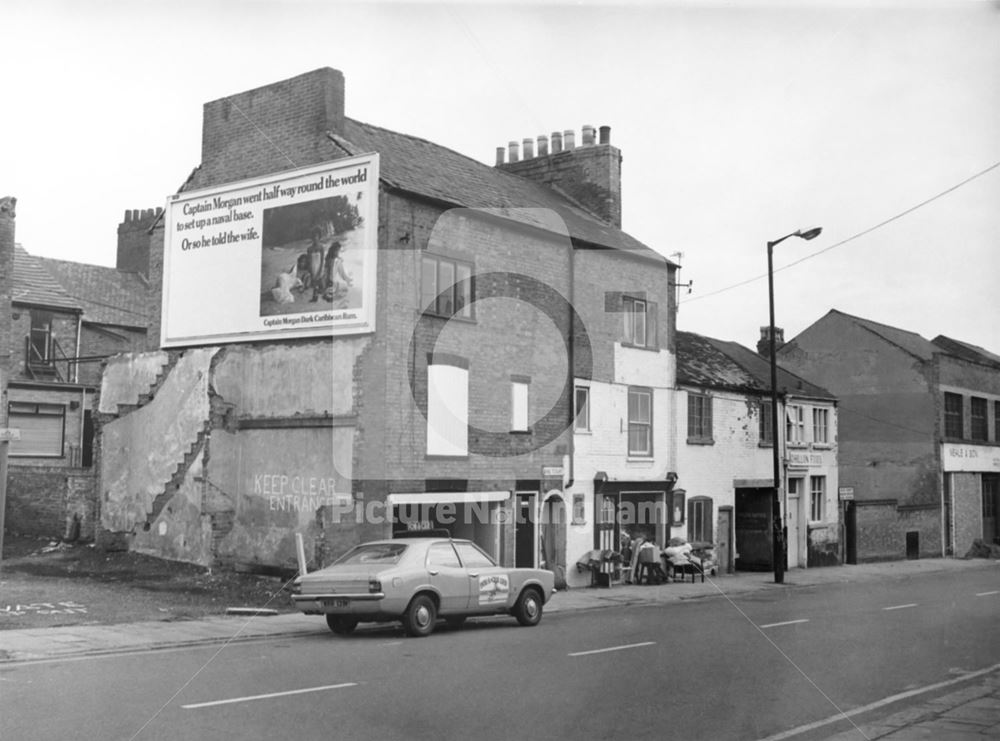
(633, 458)
(583, 432)
(797, 446)
(700, 441)
(763, 444)
(431, 315)
(822, 446)
(433, 457)
(647, 348)
(520, 432)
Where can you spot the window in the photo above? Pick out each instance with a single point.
(40, 350)
(442, 554)
(472, 557)
(817, 495)
(996, 421)
(640, 322)
(446, 287)
(582, 401)
(980, 426)
(519, 406)
(764, 424)
(821, 426)
(700, 519)
(640, 422)
(699, 418)
(953, 415)
(447, 410)
(795, 426)
(42, 429)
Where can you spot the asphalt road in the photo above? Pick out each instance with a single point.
(711, 668)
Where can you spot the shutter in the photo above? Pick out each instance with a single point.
(41, 434)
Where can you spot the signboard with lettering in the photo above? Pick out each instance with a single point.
(805, 459)
(846, 492)
(288, 255)
(972, 458)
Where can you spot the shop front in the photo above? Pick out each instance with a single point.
(971, 494)
(478, 516)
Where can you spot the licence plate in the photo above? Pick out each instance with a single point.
(336, 602)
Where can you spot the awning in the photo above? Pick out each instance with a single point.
(443, 497)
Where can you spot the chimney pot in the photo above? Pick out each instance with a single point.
(512, 150)
(543, 145)
(528, 146)
(764, 343)
(588, 135)
(605, 135)
(500, 155)
(569, 139)
(556, 142)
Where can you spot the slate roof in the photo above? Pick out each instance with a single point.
(421, 167)
(705, 361)
(34, 285)
(108, 296)
(966, 350)
(911, 342)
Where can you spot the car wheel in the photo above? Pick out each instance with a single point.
(341, 625)
(528, 609)
(418, 620)
(455, 622)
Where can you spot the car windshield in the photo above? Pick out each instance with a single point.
(377, 553)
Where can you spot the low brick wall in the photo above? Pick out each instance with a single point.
(43, 500)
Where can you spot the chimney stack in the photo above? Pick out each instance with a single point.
(134, 240)
(501, 152)
(764, 343)
(591, 174)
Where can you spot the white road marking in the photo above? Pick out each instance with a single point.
(900, 607)
(787, 622)
(613, 648)
(880, 703)
(986, 594)
(269, 695)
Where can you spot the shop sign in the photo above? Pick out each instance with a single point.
(972, 458)
(805, 459)
(846, 492)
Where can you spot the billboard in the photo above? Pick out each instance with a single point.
(288, 255)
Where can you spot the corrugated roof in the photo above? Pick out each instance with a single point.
(33, 284)
(431, 170)
(107, 295)
(705, 361)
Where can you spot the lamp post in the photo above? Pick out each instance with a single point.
(778, 536)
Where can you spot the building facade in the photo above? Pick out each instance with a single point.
(726, 461)
(451, 404)
(919, 435)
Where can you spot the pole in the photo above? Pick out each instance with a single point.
(777, 550)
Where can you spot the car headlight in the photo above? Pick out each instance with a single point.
(374, 586)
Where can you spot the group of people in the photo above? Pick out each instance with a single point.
(643, 559)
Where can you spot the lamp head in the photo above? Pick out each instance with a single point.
(809, 233)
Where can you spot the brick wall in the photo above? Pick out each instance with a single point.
(64, 330)
(879, 537)
(967, 513)
(134, 240)
(41, 500)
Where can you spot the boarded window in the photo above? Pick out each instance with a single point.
(42, 429)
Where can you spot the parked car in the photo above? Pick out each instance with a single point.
(418, 580)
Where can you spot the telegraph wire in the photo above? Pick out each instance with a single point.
(860, 234)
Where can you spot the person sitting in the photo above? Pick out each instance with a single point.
(648, 556)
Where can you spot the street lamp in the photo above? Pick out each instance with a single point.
(778, 534)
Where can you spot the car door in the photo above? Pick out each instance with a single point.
(446, 574)
(489, 584)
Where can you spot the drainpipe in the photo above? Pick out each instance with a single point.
(76, 365)
(571, 352)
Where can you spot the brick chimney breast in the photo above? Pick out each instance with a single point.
(272, 128)
(590, 174)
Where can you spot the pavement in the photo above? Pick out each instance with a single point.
(972, 712)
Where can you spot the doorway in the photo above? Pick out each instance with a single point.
(726, 540)
(552, 545)
(524, 530)
(851, 532)
(753, 525)
(991, 502)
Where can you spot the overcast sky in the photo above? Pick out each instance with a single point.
(738, 122)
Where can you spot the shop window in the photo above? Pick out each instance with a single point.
(42, 429)
(579, 510)
(699, 418)
(700, 519)
(447, 410)
(979, 424)
(640, 422)
(953, 426)
(795, 425)
(817, 497)
(821, 426)
(446, 287)
(582, 407)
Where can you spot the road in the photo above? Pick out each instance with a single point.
(712, 668)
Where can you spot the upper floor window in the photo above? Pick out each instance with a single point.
(821, 426)
(979, 423)
(764, 424)
(953, 426)
(447, 409)
(519, 405)
(42, 429)
(996, 421)
(699, 418)
(640, 422)
(795, 425)
(446, 287)
(582, 406)
(640, 322)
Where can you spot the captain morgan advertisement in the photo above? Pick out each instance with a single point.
(288, 255)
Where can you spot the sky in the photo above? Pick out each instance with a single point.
(738, 123)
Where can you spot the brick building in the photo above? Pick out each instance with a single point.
(919, 434)
(493, 297)
(64, 318)
(725, 456)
